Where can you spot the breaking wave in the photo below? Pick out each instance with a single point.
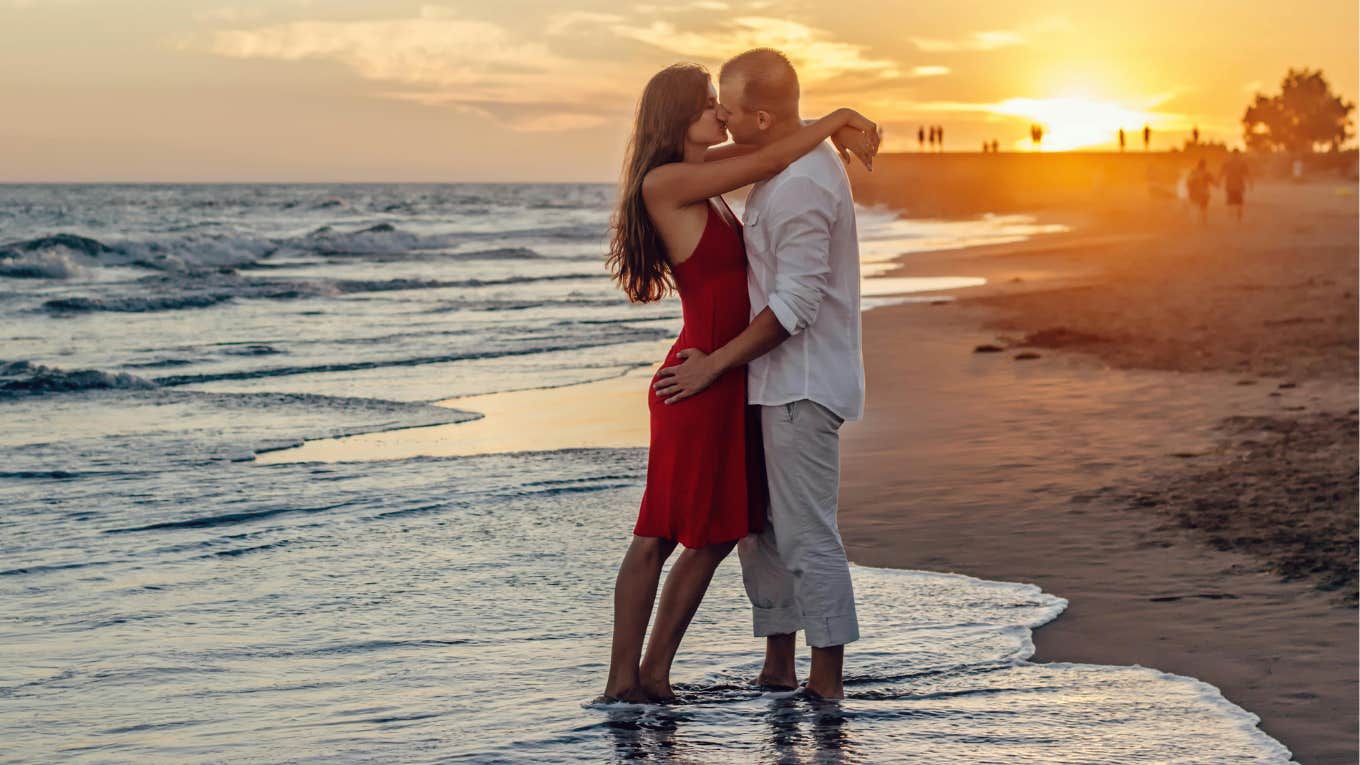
(20, 378)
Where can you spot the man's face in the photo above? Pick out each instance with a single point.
(743, 125)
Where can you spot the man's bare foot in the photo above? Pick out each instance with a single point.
(773, 682)
(658, 691)
(829, 694)
(633, 695)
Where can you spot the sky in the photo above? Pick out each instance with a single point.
(528, 90)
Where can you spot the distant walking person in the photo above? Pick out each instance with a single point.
(1235, 181)
(1147, 137)
(921, 138)
(1122, 139)
(1194, 135)
(1197, 188)
(939, 137)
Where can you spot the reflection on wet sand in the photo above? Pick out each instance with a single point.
(610, 413)
(797, 729)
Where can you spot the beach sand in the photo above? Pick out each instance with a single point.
(1185, 438)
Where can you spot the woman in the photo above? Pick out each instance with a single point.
(705, 474)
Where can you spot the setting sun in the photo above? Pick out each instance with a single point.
(1075, 123)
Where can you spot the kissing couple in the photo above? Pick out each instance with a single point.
(747, 407)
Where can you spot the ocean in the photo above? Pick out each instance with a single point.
(169, 598)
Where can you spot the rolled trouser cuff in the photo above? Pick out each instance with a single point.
(783, 620)
(828, 631)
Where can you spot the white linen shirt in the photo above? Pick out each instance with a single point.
(802, 251)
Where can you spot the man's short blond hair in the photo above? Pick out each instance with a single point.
(771, 82)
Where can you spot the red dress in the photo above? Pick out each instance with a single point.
(705, 468)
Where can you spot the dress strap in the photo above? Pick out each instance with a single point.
(730, 212)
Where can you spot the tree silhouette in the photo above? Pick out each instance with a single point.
(1305, 115)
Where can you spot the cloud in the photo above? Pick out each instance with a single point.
(22, 4)
(432, 49)
(229, 14)
(538, 117)
(816, 56)
(649, 9)
(993, 39)
(439, 59)
(552, 123)
(974, 42)
(561, 23)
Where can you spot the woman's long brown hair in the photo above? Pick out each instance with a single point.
(672, 100)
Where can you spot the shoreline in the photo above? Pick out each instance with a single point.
(1023, 470)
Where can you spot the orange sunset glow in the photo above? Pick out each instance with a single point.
(530, 90)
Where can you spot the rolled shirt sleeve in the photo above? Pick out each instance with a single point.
(801, 214)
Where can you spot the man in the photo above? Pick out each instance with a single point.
(1235, 181)
(804, 368)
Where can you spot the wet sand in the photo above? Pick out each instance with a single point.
(1178, 437)
(609, 414)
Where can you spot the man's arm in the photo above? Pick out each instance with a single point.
(800, 218)
(800, 214)
(698, 371)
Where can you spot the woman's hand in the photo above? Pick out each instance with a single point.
(858, 121)
(860, 136)
(849, 141)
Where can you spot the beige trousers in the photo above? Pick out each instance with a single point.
(795, 571)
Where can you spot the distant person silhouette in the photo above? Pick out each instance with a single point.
(1235, 175)
(921, 138)
(932, 138)
(1122, 139)
(1197, 188)
(1147, 137)
(1194, 135)
(939, 137)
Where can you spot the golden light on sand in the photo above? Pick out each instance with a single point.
(1075, 122)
